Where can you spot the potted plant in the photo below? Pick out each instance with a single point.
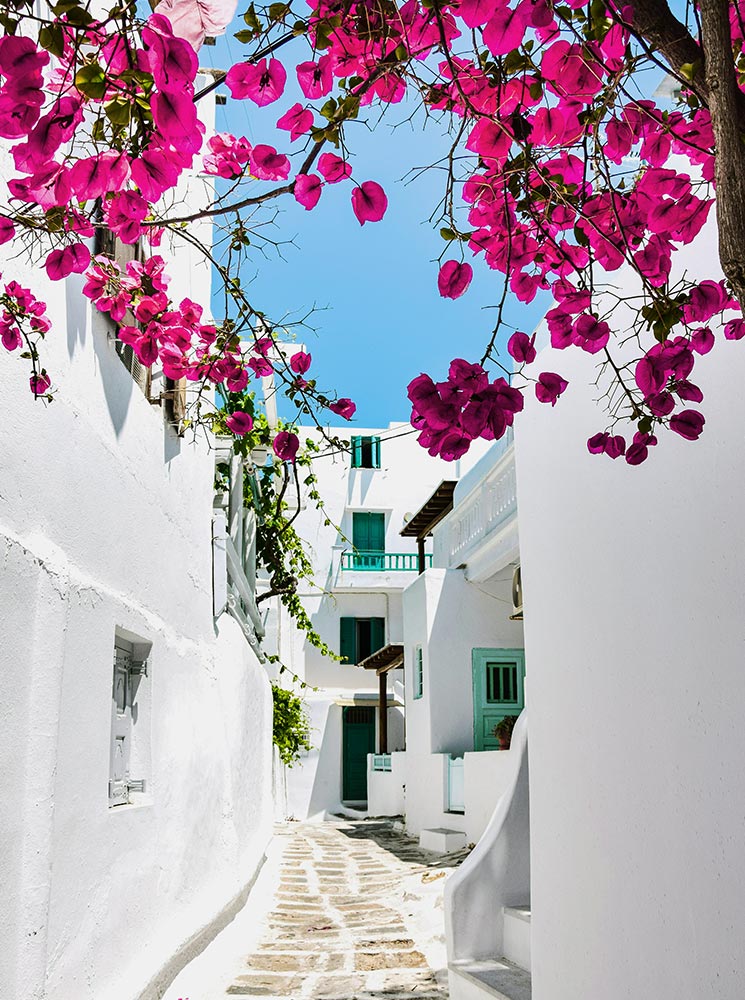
(503, 731)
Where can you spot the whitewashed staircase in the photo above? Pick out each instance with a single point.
(486, 917)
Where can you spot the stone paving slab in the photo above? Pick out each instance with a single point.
(333, 933)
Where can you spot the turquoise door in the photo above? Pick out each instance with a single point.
(358, 740)
(368, 538)
(498, 690)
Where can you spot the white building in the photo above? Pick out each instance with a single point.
(135, 732)
(362, 566)
(464, 660)
(634, 808)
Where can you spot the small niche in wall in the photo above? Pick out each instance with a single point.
(131, 715)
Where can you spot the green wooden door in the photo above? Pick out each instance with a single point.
(368, 538)
(498, 690)
(358, 740)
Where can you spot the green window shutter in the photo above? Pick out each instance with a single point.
(377, 634)
(377, 532)
(375, 452)
(348, 639)
(361, 531)
(356, 452)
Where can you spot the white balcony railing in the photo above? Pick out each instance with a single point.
(485, 518)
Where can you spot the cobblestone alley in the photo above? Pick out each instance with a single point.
(355, 908)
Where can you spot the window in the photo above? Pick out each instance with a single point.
(365, 452)
(173, 396)
(418, 679)
(130, 718)
(360, 637)
(368, 539)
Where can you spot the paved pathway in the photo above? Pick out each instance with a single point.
(336, 930)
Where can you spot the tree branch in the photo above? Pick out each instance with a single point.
(725, 101)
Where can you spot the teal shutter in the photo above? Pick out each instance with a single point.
(361, 531)
(377, 532)
(375, 452)
(377, 634)
(348, 639)
(356, 452)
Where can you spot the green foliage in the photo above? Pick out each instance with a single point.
(279, 548)
(291, 729)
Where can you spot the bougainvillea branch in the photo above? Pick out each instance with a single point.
(561, 170)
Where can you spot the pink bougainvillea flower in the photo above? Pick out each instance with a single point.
(734, 330)
(260, 366)
(316, 78)
(40, 383)
(521, 347)
(297, 121)
(240, 423)
(454, 279)
(263, 83)
(702, 340)
(285, 446)
(269, 165)
(195, 21)
(307, 190)
(175, 116)
(154, 173)
(173, 60)
(7, 229)
(300, 362)
(549, 387)
(476, 12)
(688, 423)
(344, 408)
(238, 381)
(467, 377)
(369, 202)
(73, 259)
(505, 29)
(333, 168)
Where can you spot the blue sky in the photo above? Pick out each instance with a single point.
(380, 318)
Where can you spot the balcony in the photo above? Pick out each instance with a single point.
(385, 562)
(480, 533)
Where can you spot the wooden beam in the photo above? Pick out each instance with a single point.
(383, 714)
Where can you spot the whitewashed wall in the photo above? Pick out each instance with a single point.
(105, 523)
(634, 581)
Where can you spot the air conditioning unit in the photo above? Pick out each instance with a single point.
(517, 596)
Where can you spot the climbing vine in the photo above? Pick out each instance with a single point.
(291, 728)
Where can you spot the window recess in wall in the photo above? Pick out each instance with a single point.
(365, 452)
(130, 718)
(418, 678)
(170, 393)
(360, 638)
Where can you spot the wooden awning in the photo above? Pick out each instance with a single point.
(388, 658)
(432, 512)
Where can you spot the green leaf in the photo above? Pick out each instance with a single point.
(118, 111)
(91, 80)
(448, 234)
(278, 10)
(52, 39)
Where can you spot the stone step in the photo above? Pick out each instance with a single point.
(516, 935)
(442, 840)
(491, 980)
